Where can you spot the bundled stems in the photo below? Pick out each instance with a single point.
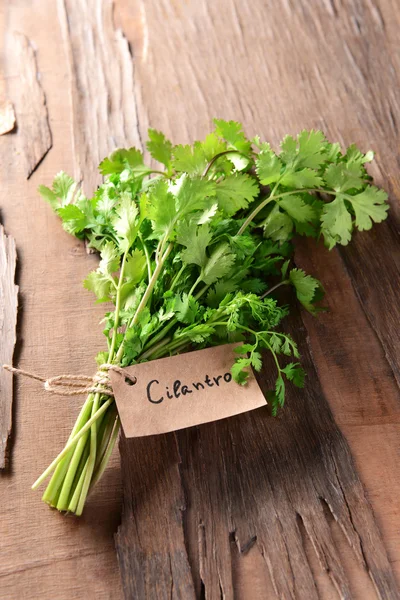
(82, 462)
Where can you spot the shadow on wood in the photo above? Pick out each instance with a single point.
(263, 480)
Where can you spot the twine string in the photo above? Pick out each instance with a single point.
(77, 385)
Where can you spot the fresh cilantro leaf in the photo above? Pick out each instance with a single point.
(275, 341)
(305, 178)
(295, 373)
(231, 131)
(305, 286)
(311, 149)
(192, 194)
(355, 155)
(63, 185)
(159, 147)
(254, 285)
(107, 201)
(74, 220)
(235, 192)
(121, 159)
(126, 222)
(50, 197)
(197, 333)
(277, 397)
(162, 208)
(64, 191)
(212, 146)
(268, 166)
(196, 238)
(99, 284)
(336, 223)
(135, 266)
(344, 176)
(369, 206)
(256, 361)
(289, 347)
(307, 152)
(207, 215)
(278, 226)
(244, 348)
(186, 308)
(218, 264)
(189, 159)
(220, 290)
(110, 259)
(297, 209)
(240, 370)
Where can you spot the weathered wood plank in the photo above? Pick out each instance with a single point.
(42, 553)
(254, 477)
(378, 286)
(104, 114)
(33, 120)
(150, 541)
(8, 325)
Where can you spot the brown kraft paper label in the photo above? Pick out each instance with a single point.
(181, 391)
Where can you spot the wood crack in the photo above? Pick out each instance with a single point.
(34, 131)
(104, 112)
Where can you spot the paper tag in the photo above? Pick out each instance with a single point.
(181, 391)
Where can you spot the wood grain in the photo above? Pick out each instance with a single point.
(43, 554)
(278, 67)
(33, 122)
(104, 115)
(8, 325)
(150, 541)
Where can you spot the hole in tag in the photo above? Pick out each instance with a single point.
(130, 381)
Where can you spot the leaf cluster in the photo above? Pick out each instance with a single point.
(192, 253)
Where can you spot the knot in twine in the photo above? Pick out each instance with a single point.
(77, 385)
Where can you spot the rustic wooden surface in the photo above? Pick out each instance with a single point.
(278, 66)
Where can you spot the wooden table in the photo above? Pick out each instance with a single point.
(225, 509)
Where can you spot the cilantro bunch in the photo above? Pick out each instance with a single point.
(191, 255)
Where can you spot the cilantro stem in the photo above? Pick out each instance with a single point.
(62, 468)
(275, 287)
(217, 156)
(169, 348)
(102, 466)
(72, 442)
(63, 500)
(78, 489)
(146, 253)
(103, 463)
(258, 336)
(117, 307)
(155, 347)
(146, 296)
(177, 277)
(196, 283)
(264, 203)
(92, 458)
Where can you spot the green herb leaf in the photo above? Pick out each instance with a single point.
(159, 147)
(126, 222)
(235, 192)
